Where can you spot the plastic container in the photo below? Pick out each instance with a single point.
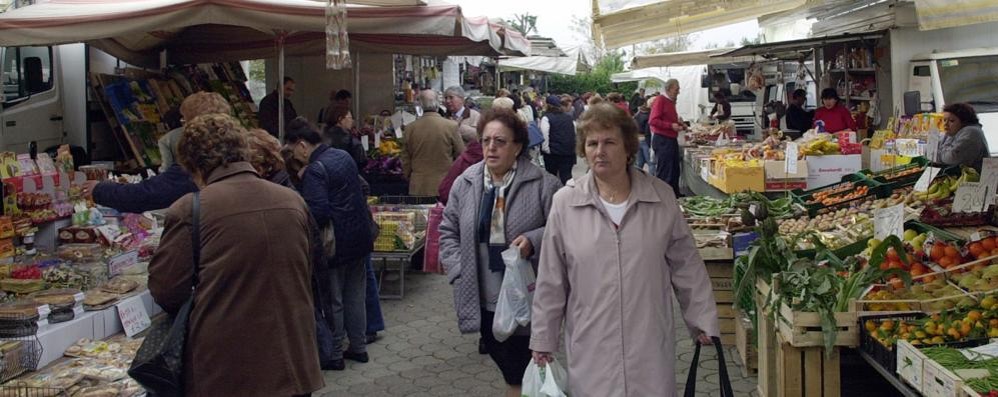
(887, 356)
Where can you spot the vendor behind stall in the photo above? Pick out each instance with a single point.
(964, 143)
(798, 119)
(833, 113)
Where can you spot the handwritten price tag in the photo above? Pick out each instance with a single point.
(133, 315)
(791, 158)
(927, 176)
(365, 142)
(888, 221)
(989, 177)
(932, 146)
(970, 197)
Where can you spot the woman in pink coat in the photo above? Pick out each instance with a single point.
(615, 251)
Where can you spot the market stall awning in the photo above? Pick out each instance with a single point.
(674, 17)
(246, 29)
(775, 49)
(568, 64)
(686, 58)
(939, 14)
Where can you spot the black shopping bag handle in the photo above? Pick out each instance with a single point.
(722, 371)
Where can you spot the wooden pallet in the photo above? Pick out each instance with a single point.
(806, 371)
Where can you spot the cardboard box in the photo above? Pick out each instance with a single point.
(737, 179)
(826, 170)
(777, 179)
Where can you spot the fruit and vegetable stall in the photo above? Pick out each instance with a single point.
(891, 265)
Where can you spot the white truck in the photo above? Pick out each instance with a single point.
(968, 76)
(44, 97)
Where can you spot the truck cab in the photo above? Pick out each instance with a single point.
(31, 108)
(969, 76)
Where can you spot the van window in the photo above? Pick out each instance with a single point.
(922, 71)
(972, 80)
(26, 71)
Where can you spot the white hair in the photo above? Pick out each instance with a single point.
(455, 91)
(502, 102)
(429, 100)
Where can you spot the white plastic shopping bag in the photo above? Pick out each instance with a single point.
(515, 296)
(549, 381)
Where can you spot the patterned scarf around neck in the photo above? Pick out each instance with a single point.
(492, 223)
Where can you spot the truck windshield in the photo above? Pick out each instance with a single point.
(972, 80)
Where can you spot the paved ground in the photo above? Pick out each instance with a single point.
(422, 354)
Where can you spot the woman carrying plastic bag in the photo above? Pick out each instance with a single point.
(516, 295)
(544, 381)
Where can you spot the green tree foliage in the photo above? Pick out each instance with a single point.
(523, 23)
(598, 80)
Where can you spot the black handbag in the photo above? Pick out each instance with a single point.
(722, 371)
(159, 363)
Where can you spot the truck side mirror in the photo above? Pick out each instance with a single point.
(912, 103)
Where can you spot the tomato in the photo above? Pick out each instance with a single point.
(897, 283)
(946, 262)
(988, 243)
(938, 251)
(892, 255)
(920, 267)
(977, 250)
(951, 251)
(915, 272)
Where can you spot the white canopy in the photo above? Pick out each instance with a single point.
(568, 64)
(667, 18)
(691, 95)
(687, 58)
(225, 30)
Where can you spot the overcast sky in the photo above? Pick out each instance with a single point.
(554, 19)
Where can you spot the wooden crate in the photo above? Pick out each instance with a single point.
(722, 283)
(766, 341)
(724, 297)
(727, 339)
(910, 364)
(716, 253)
(803, 329)
(722, 269)
(806, 371)
(745, 344)
(938, 381)
(727, 325)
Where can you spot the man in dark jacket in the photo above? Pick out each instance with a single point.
(268, 114)
(637, 100)
(154, 193)
(798, 119)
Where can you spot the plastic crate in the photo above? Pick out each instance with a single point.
(876, 190)
(887, 356)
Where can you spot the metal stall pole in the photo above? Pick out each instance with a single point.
(280, 85)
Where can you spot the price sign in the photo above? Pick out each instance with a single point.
(377, 141)
(907, 147)
(932, 146)
(133, 315)
(705, 170)
(926, 179)
(365, 142)
(79, 297)
(970, 197)
(888, 222)
(398, 132)
(989, 177)
(791, 159)
(121, 262)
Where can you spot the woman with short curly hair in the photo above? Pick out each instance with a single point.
(266, 157)
(244, 276)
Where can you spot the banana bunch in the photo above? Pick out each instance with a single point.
(820, 147)
(946, 186)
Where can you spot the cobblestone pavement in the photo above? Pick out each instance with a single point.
(421, 353)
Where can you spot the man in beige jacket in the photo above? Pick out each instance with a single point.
(467, 119)
(431, 145)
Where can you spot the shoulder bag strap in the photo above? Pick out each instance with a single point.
(196, 235)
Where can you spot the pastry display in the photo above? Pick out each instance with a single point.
(119, 285)
(97, 300)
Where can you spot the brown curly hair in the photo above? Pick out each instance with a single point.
(204, 102)
(264, 152)
(334, 113)
(210, 141)
(606, 116)
(509, 119)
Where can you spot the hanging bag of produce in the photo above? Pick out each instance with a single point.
(722, 371)
(158, 364)
(515, 296)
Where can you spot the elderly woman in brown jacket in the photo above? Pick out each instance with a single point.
(616, 250)
(252, 327)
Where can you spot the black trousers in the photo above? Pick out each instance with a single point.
(667, 160)
(560, 166)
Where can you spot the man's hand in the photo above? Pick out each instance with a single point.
(524, 245)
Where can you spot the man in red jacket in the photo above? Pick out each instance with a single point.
(665, 126)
